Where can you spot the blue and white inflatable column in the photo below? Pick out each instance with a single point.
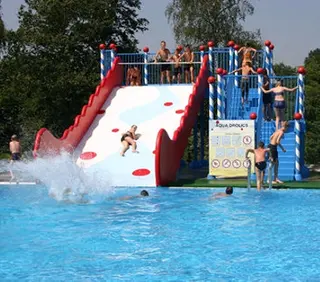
(220, 89)
(271, 47)
(102, 48)
(113, 50)
(231, 56)
(145, 68)
(210, 53)
(236, 64)
(301, 74)
(267, 63)
(297, 124)
(211, 81)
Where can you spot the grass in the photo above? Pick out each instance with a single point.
(4, 156)
(187, 180)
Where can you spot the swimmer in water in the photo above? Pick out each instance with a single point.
(143, 193)
(229, 192)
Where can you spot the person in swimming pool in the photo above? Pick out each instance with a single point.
(129, 139)
(260, 162)
(279, 104)
(248, 53)
(275, 139)
(143, 193)
(229, 192)
(247, 70)
(188, 56)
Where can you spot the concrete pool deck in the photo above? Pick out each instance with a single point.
(196, 178)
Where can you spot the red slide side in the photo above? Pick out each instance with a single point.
(169, 152)
(46, 143)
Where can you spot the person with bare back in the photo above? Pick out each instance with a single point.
(129, 139)
(177, 66)
(260, 162)
(15, 148)
(162, 56)
(279, 103)
(188, 56)
(245, 80)
(275, 139)
(248, 53)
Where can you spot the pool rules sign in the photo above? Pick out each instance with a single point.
(228, 142)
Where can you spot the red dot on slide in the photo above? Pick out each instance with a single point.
(154, 151)
(88, 155)
(179, 112)
(115, 130)
(100, 112)
(241, 128)
(168, 104)
(141, 172)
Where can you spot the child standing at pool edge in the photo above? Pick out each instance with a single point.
(260, 162)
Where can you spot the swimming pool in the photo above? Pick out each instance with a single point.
(174, 235)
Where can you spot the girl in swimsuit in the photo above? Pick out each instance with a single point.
(129, 138)
(279, 101)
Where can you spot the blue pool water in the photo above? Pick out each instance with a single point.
(174, 235)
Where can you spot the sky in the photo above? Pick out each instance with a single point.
(291, 25)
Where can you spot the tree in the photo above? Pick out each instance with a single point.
(284, 70)
(197, 21)
(312, 115)
(52, 61)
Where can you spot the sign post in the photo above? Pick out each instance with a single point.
(228, 142)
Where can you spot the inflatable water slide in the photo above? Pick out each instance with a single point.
(164, 114)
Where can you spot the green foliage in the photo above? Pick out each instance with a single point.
(196, 22)
(52, 61)
(312, 64)
(284, 70)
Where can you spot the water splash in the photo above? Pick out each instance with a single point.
(65, 180)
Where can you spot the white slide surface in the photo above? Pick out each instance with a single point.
(150, 108)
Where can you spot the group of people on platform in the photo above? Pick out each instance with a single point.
(165, 59)
(271, 95)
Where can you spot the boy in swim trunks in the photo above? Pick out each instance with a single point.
(177, 67)
(15, 148)
(245, 79)
(188, 56)
(275, 139)
(163, 55)
(260, 162)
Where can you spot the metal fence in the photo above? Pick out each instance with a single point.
(220, 59)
